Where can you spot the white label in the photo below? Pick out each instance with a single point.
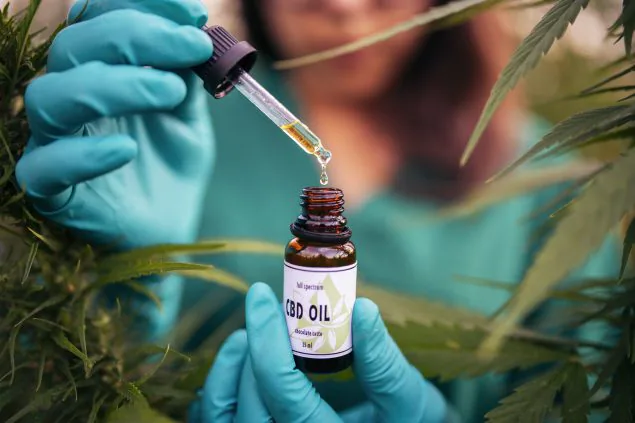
(318, 304)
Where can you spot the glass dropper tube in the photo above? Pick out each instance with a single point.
(229, 68)
(281, 116)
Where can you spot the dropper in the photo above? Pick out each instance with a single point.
(229, 68)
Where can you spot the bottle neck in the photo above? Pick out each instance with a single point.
(322, 219)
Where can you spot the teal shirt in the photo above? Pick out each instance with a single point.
(254, 193)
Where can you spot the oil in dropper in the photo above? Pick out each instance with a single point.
(310, 143)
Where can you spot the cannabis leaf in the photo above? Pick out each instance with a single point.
(608, 79)
(202, 247)
(604, 202)
(443, 341)
(626, 20)
(144, 269)
(551, 27)
(575, 398)
(515, 185)
(575, 130)
(531, 401)
(399, 308)
(629, 240)
(451, 351)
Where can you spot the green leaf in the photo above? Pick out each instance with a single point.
(531, 401)
(151, 373)
(204, 247)
(451, 351)
(437, 14)
(608, 79)
(137, 413)
(40, 370)
(48, 303)
(218, 276)
(607, 90)
(52, 244)
(12, 339)
(67, 372)
(80, 318)
(515, 185)
(138, 355)
(399, 308)
(610, 364)
(570, 294)
(30, 260)
(133, 394)
(626, 20)
(576, 130)
(626, 133)
(551, 27)
(135, 271)
(96, 408)
(462, 16)
(604, 202)
(61, 340)
(622, 398)
(575, 402)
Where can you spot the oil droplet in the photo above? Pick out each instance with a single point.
(324, 178)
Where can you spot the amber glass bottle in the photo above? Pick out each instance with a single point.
(320, 277)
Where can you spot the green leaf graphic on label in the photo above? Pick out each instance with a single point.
(331, 291)
(319, 311)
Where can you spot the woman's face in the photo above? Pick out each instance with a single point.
(301, 27)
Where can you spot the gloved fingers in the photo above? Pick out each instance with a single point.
(59, 104)
(286, 391)
(397, 389)
(51, 170)
(183, 12)
(195, 100)
(220, 393)
(251, 408)
(129, 37)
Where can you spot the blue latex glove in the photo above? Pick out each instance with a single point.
(254, 379)
(121, 152)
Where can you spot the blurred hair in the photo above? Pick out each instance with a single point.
(439, 98)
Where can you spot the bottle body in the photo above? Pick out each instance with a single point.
(319, 294)
(320, 284)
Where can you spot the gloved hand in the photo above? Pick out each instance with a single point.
(122, 144)
(121, 152)
(254, 379)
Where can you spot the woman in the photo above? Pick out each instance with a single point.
(395, 116)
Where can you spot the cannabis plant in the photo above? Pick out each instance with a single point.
(67, 351)
(65, 355)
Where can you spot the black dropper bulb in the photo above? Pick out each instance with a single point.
(229, 55)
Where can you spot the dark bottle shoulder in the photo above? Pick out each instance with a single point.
(315, 254)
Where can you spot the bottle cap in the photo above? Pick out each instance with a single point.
(229, 54)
